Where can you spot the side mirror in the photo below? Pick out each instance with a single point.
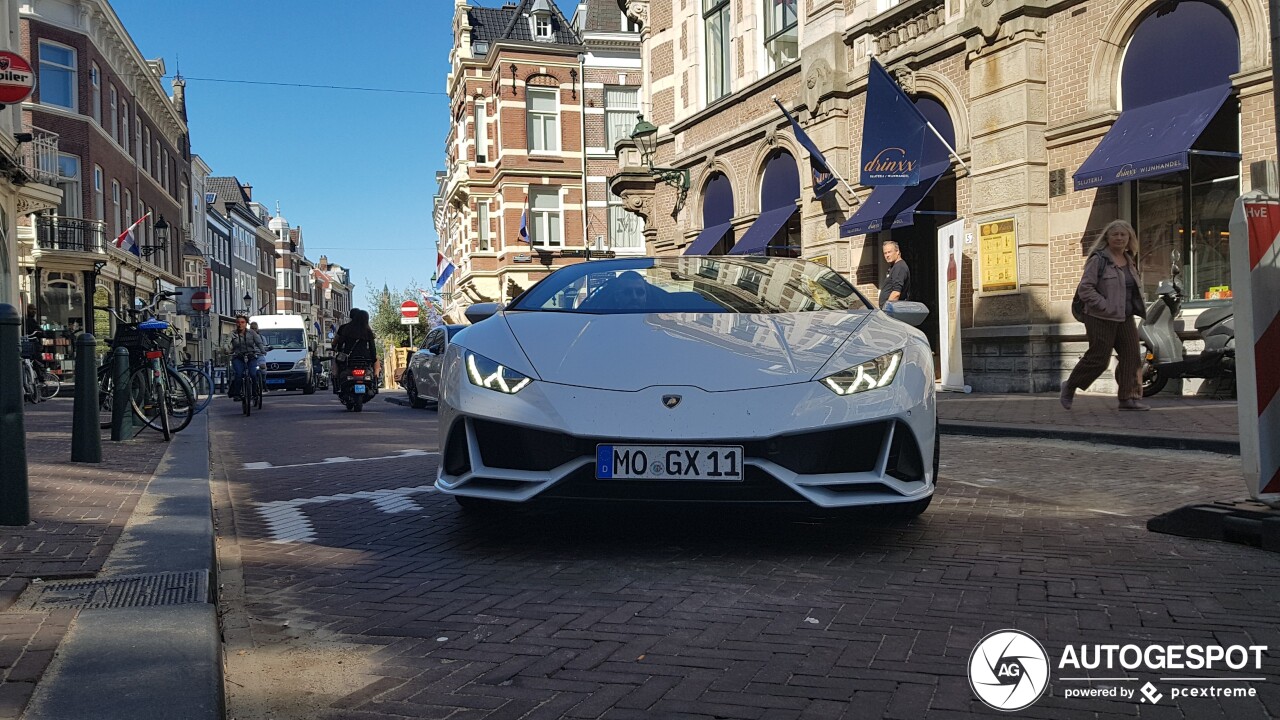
(481, 311)
(908, 311)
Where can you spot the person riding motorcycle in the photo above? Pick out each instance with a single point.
(245, 343)
(354, 341)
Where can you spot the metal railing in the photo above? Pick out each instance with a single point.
(40, 156)
(62, 233)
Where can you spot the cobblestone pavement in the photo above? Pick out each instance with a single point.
(646, 613)
(78, 511)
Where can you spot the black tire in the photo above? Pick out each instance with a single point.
(309, 388)
(411, 388)
(1152, 381)
(258, 391)
(357, 403)
(49, 385)
(246, 396)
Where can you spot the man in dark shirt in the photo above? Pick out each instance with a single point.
(897, 284)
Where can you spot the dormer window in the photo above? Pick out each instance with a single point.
(540, 21)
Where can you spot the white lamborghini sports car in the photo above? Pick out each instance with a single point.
(695, 379)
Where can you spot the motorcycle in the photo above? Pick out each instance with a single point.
(357, 384)
(1164, 357)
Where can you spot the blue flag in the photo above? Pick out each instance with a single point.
(524, 226)
(893, 131)
(824, 181)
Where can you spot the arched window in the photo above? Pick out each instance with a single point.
(1179, 53)
(779, 193)
(717, 209)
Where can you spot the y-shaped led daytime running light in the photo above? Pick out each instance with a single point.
(868, 376)
(497, 380)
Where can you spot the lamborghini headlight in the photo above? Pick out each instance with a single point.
(869, 375)
(492, 375)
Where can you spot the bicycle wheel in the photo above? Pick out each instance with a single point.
(182, 400)
(49, 385)
(246, 393)
(201, 386)
(30, 391)
(161, 387)
(258, 392)
(105, 398)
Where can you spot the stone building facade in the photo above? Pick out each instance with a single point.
(532, 96)
(1024, 94)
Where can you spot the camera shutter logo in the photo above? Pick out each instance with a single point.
(1009, 670)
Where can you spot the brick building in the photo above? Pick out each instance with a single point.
(1025, 93)
(537, 101)
(116, 144)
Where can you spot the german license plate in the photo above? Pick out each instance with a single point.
(715, 463)
(357, 389)
(275, 381)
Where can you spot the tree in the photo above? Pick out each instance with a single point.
(384, 314)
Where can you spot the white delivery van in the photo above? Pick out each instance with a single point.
(289, 362)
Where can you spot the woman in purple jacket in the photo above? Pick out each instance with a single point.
(1111, 289)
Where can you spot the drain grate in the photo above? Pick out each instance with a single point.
(170, 588)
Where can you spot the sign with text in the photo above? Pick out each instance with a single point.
(409, 313)
(16, 78)
(998, 256)
(950, 266)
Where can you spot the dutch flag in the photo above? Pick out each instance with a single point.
(126, 240)
(444, 270)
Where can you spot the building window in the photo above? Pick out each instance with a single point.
(128, 208)
(124, 126)
(621, 105)
(482, 133)
(57, 75)
(95, 83)
(482, 226)
(542, 27)
(116, 216)
(114, 114)
(781, 41)
(99, 202)
(544, 220)
(137, 139)
(146, 150)
(626, 229)
(69, 182)
(715, 18)
(544, 133)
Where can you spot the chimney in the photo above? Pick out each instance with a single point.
(180, 95)
(248, 191)
(324, 262)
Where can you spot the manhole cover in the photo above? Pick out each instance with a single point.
(171, 588)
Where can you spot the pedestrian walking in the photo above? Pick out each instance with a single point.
(897, 284)
(1108, 297)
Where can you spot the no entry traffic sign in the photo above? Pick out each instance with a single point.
(201, 301)
(409, 313)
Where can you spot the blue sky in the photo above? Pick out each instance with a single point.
(355, 169)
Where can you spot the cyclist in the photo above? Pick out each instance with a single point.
(245, 342)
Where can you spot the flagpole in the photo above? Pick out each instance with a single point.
(950, 149)
(835, 172)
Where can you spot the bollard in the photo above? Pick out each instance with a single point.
(121, 415)
(15, 504)
(86, 436)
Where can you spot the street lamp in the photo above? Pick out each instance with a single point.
(248, 300)
(646, 136)
(161, 229)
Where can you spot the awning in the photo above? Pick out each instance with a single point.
(1151, 140)
(894, 206)
(707, 239)
(757, 237)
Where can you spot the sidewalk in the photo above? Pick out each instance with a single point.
(96, 531)
(1175, 422)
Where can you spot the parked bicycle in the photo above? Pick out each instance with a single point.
(160, 396)
(38, 383)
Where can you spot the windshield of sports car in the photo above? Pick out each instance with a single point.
(692, 285)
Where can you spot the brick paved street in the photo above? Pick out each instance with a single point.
(637, 614)
(78, 511)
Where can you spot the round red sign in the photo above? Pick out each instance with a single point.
(16, 78)
(409, 309)
(201, 301)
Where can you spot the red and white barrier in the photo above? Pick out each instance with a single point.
(1255, 279)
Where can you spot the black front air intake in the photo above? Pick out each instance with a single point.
(457, 459)
(905, 462)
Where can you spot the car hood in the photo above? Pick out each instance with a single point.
(711, 351)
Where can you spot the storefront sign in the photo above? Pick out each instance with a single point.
(998, 256)
(521, 258)
(950, 265)
(16, 78)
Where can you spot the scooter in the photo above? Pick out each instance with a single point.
(1164, 358)
(358, 384)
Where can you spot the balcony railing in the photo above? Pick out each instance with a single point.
(40, 156)
(61, 233)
